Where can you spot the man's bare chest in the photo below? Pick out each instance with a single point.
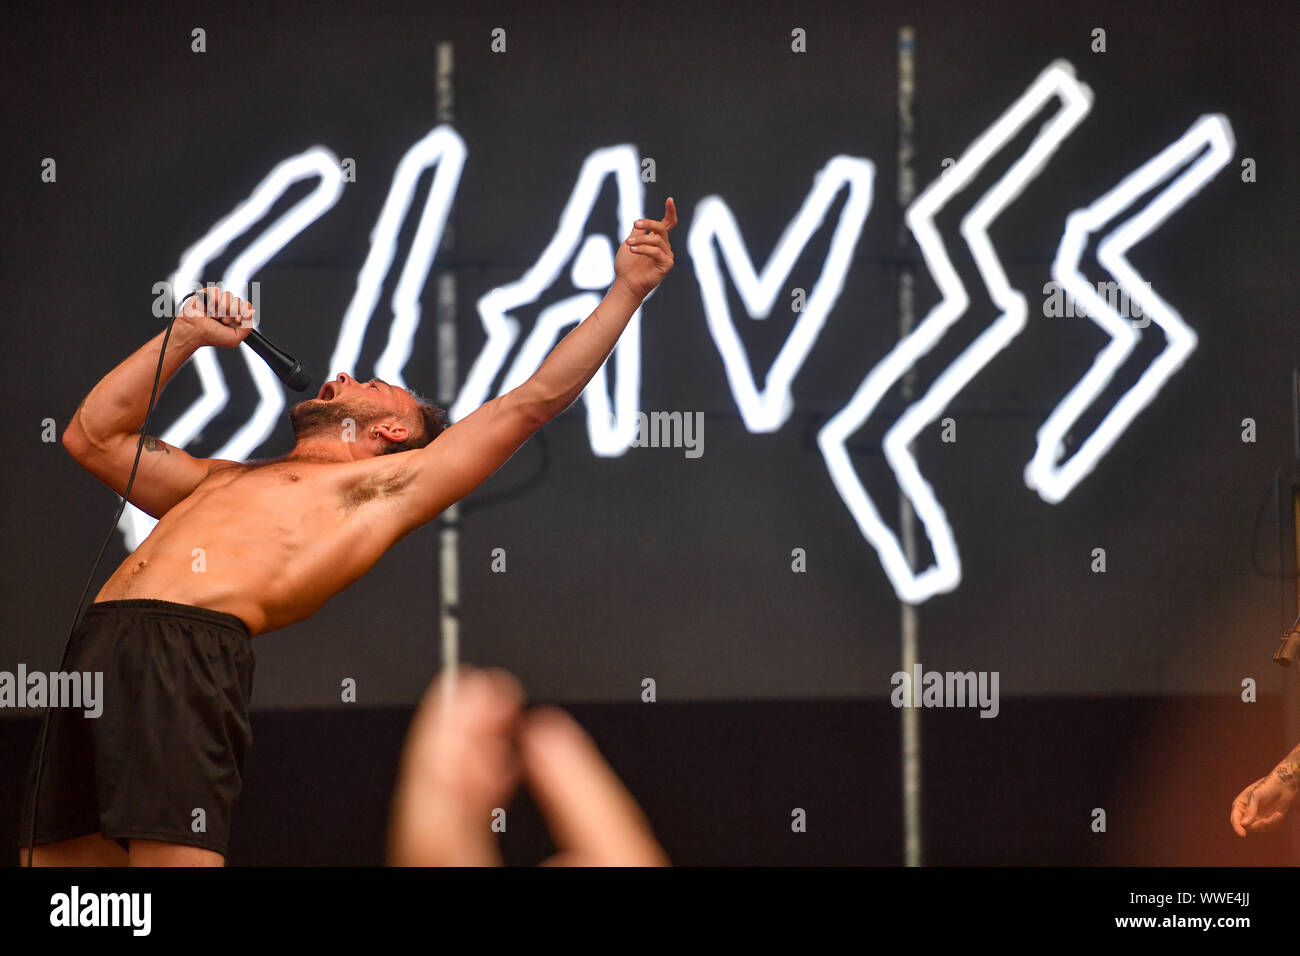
(276, 493)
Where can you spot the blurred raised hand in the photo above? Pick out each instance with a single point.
(470, 746)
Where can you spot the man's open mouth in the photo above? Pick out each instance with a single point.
(327, 392)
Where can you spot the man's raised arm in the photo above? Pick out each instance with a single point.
(468, 452)
(104, 431)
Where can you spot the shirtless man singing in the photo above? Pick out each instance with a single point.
(155, 779)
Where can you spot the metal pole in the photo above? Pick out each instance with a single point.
(449, 521)
(909, 625)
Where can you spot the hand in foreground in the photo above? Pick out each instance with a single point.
(1261, 806)
(466, 753)
(646, 256)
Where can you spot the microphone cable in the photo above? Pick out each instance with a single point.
(45, 725)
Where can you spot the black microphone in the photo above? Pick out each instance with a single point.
(286, 368)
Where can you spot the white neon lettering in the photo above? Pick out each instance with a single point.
(766, 409)
(612, 414)
(610, 434)
(443, 147)
(1054, 480)
(1056, 81)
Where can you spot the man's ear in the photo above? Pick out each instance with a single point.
(396, 431)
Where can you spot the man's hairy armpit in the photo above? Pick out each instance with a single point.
(383, 485)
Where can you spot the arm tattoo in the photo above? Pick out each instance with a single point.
(153, 444)
(1288, 771)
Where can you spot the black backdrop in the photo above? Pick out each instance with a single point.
(650, 564)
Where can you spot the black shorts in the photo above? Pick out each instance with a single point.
(164, 759)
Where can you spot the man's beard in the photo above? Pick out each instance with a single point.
(316, 418)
